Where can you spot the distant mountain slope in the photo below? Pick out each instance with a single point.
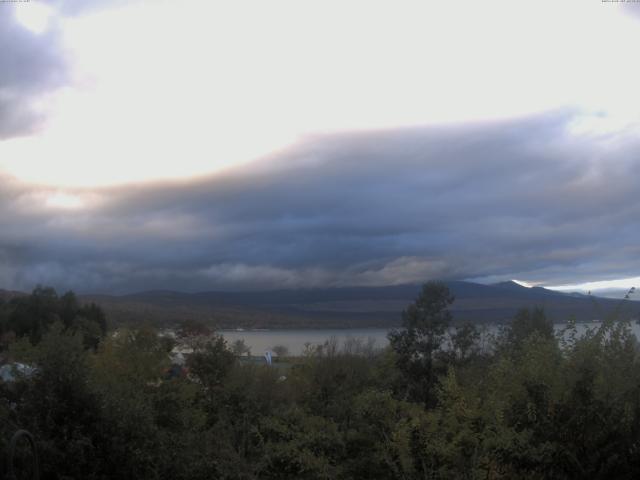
(9, 294)
(348, 307)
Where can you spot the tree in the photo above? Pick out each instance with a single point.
(125, 376)
(58, 405)
(280, 350)
(193, 334)
(527, 322)
(212, 363)
(451, 434)
(464, 343)
(32, 316)
(385, 428)
(418, 344)
(239, 348)
(193, 328)
(299, 446)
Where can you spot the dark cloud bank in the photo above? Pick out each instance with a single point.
(520, 199)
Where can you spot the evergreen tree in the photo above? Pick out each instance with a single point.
(418, 345)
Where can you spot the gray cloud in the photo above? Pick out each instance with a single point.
(30, 66)
(520, 199)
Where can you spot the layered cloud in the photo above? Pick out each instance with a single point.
(534, 198)
(546, 198)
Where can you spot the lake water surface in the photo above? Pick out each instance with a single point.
(295, 339)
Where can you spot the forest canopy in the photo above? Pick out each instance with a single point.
(439, 402)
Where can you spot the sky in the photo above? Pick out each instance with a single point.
(206, 145)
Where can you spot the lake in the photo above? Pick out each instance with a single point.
(294, 339)
(262, 340)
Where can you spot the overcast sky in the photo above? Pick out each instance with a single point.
(200, 145)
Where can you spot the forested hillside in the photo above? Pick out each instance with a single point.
(348, 307)
(437, 403)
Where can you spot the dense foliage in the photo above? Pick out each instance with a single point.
(439, 402)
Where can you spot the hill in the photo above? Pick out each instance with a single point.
(9, 294)
(348, 307)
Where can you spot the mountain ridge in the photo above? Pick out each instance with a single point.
(346, 306)
(343, 307)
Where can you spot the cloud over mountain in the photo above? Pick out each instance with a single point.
(529, 198)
